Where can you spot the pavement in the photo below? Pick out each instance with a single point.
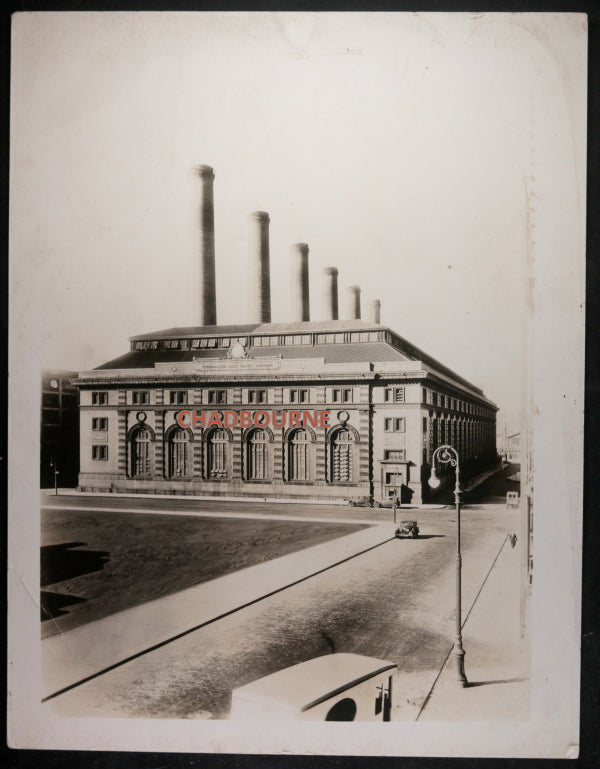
(496, 661)
(76, 655)
(70, 493)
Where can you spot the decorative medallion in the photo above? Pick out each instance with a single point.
(141, 416)
(237, 351)
(343, 416)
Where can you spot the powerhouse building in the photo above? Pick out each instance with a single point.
(390, 404)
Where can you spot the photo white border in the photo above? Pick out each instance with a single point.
(557, 377)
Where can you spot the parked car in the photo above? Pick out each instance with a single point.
(407, 529)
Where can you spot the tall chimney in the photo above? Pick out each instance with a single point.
(260, 279)
(300, 294)
(208, 304)
(353, 295)
(330, 293)
(375, 311)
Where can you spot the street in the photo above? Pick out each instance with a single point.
(395, 602)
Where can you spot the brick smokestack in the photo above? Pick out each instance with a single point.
(353, 296)
(208, 302)
(260, 279)
(330, 293)
(300, 292)
(375, 311)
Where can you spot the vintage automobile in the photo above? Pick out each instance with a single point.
(363, 502)
(407, 529)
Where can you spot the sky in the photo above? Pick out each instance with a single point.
(422, 155)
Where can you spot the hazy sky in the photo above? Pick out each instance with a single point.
(417, 153)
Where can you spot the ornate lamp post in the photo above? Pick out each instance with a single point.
(448, 455)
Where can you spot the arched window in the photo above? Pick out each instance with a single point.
(140, 453)
(178, 462)
(341, 456)
(298, 456)
(216, 454)
(257, 455)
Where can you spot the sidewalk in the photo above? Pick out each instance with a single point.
(77, 654)
(496, 657)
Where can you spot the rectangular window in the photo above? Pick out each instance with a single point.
(100, 452)
(393, 479)
(394, 395)
(297, 339)
(434, 399)
(178, 397)
(397, 455)
(298, 396)
(267, 341)
(195, 344)
(395, 425)
(339, 395)
(99, 423)
(257, 396)
(216, 397)
(99, 398)
(140, 397)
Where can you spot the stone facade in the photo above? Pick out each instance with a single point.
(390, 406)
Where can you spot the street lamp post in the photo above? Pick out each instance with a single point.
(54, 467)
(448, 455)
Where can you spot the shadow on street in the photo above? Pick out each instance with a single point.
(60, 562)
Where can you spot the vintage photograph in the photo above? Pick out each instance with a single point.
(296, 395)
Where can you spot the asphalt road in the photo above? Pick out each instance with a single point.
(182, 505)
(395, 602)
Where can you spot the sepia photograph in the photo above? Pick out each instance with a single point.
(296, 367)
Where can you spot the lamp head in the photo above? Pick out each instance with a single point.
(433, 481)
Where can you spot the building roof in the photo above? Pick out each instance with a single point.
(292, 327)
(333, 353)
(381, 345)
